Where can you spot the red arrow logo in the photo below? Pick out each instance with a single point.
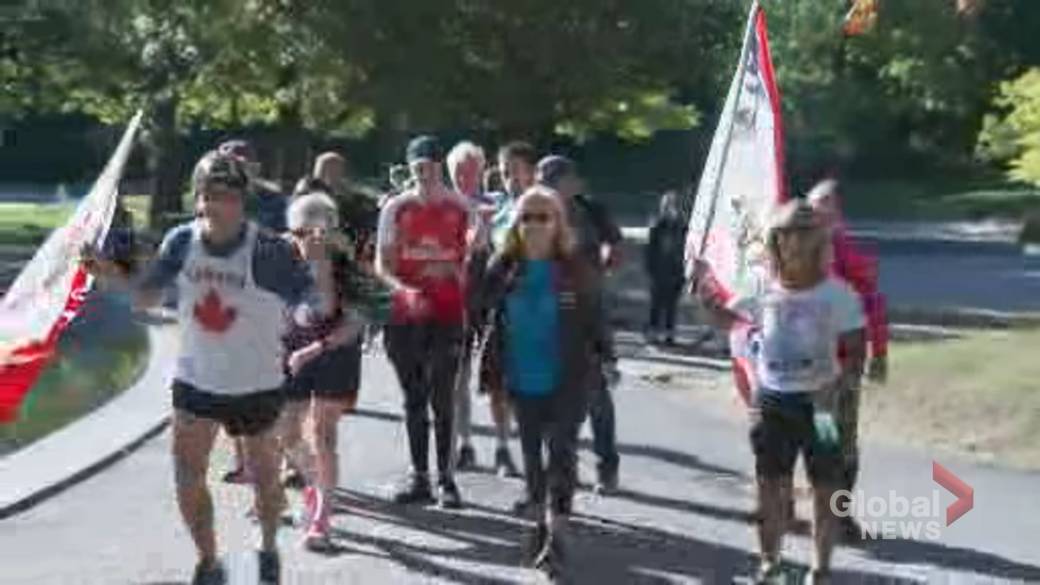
(964, 492)
(213, 315)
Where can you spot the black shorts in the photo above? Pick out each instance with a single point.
(245, 415)
(782, 428)
(334, 374)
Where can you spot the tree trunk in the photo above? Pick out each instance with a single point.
(165, 163)
(292, 148)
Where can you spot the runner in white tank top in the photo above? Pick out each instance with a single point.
(231, 329)
(238, 286)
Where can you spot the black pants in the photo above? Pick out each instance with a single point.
(664, 300)
(553, 422)
(426, 357)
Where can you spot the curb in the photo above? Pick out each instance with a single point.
(963, 318)
(93, 442)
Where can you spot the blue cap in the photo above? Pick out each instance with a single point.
(424, 148)
(553, 168)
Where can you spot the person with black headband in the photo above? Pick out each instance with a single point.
(237, 285)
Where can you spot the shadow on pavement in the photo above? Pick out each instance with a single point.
(670, 456)
(890, 551)
(800, 527)
(664, 454)
(601, 550)
(919, 552)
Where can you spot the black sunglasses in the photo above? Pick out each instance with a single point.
(535, 217)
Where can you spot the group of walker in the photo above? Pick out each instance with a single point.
(503, 272)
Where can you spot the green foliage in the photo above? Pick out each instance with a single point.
(1014, 137)
(101, 355)
(915, 89)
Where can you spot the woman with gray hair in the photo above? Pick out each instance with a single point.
(324, 366)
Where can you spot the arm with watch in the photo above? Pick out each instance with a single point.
(345, 332)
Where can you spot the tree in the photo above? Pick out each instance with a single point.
(1014, 137)
(211, 63)
(532, 68)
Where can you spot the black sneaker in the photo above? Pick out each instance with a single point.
(270, 568)
(851, 530)
(553, 556)
(504, 466)
(467, 458)
(448, 495)
(209, 574)
(416, 490)
(522, 507)
(606, 483)
(817, 577)
(236, 476)
(768, 573)
(536, 543)
(294, 480)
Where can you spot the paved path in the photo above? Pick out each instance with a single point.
(947, 266)
(683, 516)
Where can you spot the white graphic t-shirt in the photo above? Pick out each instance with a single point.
(793, 342)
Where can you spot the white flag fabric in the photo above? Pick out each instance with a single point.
(743, 178)
(48, 292)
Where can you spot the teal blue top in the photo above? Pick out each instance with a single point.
(533, 361)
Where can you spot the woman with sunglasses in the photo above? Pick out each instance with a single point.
(324, 365)
(541, 331)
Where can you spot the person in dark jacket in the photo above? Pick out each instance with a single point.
(598, 240)
(664, 266)
(542, 332)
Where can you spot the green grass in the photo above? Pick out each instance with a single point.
(29, 223)
(975, 395)
(100, 355)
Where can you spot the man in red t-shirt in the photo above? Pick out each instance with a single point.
(421, 250)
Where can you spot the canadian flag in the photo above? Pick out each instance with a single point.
(48, 293)
(743, 179)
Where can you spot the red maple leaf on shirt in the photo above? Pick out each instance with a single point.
(212, 315)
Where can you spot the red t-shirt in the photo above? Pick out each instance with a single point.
(426, 237)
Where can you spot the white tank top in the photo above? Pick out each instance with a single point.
(231, 330)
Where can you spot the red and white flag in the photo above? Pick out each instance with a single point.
(51, 288)
(743, 178)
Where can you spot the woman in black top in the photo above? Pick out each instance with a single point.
(664, 266)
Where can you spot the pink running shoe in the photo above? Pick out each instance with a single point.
(311, 501)
(317, 536)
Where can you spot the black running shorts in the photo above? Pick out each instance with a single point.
(781, 429)
(245, 415)
(336, 373)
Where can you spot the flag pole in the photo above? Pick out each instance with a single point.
(741, 68)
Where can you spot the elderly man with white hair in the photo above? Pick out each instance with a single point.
(466, 162)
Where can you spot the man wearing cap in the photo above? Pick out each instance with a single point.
(267, 205)
(266, 202)
(598, 239)
(237, 284)
(421, 249)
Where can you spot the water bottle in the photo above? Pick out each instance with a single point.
(825, 430)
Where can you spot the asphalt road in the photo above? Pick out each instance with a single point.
(683, 514)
